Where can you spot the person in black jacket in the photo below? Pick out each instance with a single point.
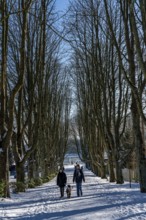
(78, 177)
(61, 181)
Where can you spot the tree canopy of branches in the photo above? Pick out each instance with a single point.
(35, 91)
(108, 68)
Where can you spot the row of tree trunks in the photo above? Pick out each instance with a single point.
(35, 111)
(108, 85)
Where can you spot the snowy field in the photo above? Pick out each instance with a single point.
(101, 200)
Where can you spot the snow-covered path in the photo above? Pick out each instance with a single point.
(101, 200)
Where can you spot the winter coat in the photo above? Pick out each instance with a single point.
(78, 176)
(61, 179)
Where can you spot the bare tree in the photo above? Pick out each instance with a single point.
(136, 105)
(102, 92)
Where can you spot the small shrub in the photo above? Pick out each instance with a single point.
(38, 181)
(45, 180)
(31, 183)
(18, 187)
(51, 176)
(21, 187)
(13, 187)
(2, 186)
(48, 178)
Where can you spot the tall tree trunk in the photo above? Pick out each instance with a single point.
(19, 164)
(103, 171)
(20, 174)
(4, 147)
(139, 147)
(119, 175)
(111, 168)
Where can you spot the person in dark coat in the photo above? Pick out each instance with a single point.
(61, 181)
(78, 177)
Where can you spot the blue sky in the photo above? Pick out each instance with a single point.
(61, 5)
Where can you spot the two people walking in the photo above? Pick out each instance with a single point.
(78, 178)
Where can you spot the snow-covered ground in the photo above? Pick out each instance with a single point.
(101, 200)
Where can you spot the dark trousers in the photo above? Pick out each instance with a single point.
(61, 191)
(79, 189)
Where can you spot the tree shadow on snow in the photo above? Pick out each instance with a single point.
(77, 212)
